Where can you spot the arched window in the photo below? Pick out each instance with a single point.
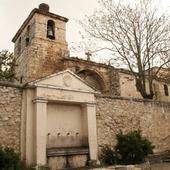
(27, 40)
(166, 90)
(93, 79)
(50, 29)
(19, 46)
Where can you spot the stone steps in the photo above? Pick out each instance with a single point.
(52, 152)
(166, 159)
(159, 157)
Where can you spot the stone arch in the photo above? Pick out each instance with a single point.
(93, 78)
(51, 29)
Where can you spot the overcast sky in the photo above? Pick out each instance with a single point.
(14, 12)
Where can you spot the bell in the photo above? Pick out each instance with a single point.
(50, 33)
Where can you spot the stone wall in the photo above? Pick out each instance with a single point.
(115, 114)
(114, 83)
(10, 116)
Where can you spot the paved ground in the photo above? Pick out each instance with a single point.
(163, 166)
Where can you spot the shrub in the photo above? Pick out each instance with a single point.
(132, 147)
(108, 156)
(9, 159)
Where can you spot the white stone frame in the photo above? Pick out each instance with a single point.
(41, 122)
(34, 139)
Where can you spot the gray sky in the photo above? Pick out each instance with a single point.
(14, 12)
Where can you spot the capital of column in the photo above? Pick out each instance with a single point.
(40, 100)
(92, 104)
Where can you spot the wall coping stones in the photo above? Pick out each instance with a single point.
(11, 84)
(159, 103)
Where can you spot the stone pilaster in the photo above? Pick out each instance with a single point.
(40, 125)
(92, 132)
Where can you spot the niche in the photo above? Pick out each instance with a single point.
(51, 29)
(19, 46)
(66, 126)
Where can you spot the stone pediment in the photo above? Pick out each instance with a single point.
(63, 80)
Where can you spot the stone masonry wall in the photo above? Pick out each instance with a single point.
(114, 83)
(109, 77)
(41, 56)
(115, 114)
(10, 116)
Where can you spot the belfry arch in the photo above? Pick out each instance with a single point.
(93, 79)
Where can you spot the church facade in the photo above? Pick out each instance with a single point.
(62, 109)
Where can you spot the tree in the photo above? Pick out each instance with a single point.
(7, 64)
(137, 35)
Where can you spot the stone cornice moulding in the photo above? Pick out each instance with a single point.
(92, 104)
(66, 89)
(45, 100)
(35, 83)
(40, 100)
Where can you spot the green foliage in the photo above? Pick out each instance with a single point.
(108, 156)
(7, 64)
(132, 147)
(9, 159)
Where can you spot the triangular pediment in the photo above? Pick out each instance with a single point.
(64, 80)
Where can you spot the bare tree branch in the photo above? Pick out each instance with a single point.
(138, 34)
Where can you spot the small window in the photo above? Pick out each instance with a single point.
(50, 29)
(19, 46)
(166, 90)
(27, 40)
(21, 79)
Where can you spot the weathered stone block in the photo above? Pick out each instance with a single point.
(62, 162)
(57, 162)
(129, 167)
(77, 161)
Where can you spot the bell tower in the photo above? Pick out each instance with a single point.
(40, 44)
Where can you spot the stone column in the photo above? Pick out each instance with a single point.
(92, 132)
(40, 127)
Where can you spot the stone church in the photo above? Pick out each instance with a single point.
(62, 109)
